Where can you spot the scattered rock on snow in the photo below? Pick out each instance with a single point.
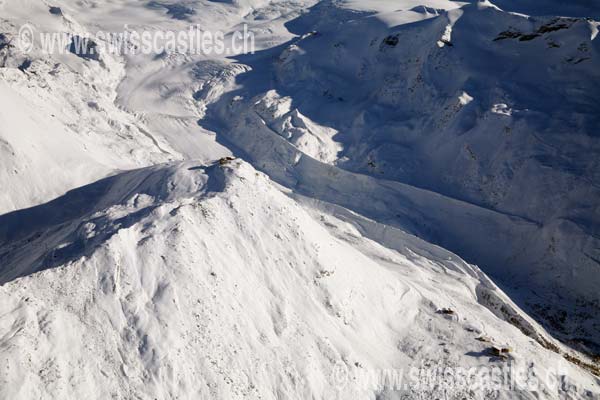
(25, 65)
(84, 48)
(55, 11)
(499, 351)
(391, 41)
(446, 311)
(226, 160)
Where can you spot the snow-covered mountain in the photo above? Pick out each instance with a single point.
(384, 185)
(504, 120)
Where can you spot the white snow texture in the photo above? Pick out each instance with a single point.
(383, 185)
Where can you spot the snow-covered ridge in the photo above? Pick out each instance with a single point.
(503, 120)
(385, 128)
(208, 281)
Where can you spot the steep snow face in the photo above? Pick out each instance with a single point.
(201, 281)
(411, 122)
(316, 141)
(495, 109)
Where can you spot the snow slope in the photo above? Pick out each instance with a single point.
(206, 281)
(371, 136)
(504, 121)
(60, 127)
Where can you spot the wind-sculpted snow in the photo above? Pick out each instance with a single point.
(206, 281)
(58, 121)
(504, 120)
(87, 217)
(378, 142)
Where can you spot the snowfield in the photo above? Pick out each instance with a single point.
(193, 281)
(383, 187)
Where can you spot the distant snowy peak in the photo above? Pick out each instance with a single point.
(574, 8)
